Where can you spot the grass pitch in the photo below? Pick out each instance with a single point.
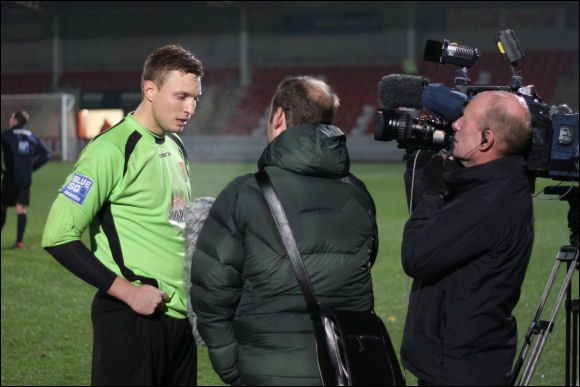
(46, 327)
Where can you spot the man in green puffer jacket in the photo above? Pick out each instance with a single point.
(250, 310)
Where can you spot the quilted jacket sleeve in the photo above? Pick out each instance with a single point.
(216, 283)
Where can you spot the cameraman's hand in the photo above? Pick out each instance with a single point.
(450, 164)
(417, 158)
(433, 176)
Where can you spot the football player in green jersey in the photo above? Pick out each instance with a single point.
(129, 187)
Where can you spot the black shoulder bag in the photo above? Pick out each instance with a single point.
(353, 348)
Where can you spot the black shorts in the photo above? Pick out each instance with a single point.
(131, 349)
(12, 195)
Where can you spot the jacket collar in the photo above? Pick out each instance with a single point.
(316, 150)
(466, 178)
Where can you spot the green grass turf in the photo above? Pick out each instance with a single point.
(46, 327)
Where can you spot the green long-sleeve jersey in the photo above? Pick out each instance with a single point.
(129, 187)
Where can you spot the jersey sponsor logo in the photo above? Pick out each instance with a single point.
(77, 188)
(183, 170)
(177, 210)
(23, 147)
(166, 154)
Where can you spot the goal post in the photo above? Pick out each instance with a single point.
(52, 119)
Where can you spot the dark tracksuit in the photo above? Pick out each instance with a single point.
(23, 153)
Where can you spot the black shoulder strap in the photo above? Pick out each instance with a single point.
(288, 239)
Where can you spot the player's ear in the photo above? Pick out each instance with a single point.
(149, 90)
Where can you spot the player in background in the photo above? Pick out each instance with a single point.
(22, 153)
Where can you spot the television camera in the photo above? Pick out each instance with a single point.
(553, 152)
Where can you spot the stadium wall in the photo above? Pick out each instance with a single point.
(249, 148)
(331, 34)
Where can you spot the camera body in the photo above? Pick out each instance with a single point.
(564, 149)
(554, 149)
(553, 152)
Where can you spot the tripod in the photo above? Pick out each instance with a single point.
(568, 254)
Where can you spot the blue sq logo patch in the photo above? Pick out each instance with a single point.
(77, 188)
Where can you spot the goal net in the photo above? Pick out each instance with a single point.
(52, 119)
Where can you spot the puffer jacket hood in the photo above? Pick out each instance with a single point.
(313, 150)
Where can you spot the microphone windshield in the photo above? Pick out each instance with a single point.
(401, 90)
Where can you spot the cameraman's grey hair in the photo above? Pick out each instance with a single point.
(510, 121)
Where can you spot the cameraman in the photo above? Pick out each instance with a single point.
(467, 246)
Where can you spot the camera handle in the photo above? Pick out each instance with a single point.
(568, 254)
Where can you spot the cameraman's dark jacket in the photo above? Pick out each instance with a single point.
(468, 257)
(250, 310)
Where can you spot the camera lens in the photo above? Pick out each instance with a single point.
(425, 132)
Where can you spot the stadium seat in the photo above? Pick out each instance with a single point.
(356, 85)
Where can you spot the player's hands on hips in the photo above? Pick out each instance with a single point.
(145, 299)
